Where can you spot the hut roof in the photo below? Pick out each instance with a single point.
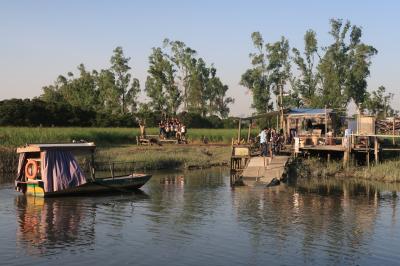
(87, 146)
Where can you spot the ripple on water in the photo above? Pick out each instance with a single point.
(202, 221)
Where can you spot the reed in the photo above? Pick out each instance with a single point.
(17, 136)
(387, 171)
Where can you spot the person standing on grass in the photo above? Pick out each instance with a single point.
(263, 141)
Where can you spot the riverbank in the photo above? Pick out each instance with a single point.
(164, 157)
(129, 157)
(119, 144)
(386, 171)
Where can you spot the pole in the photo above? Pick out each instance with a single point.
(248, 132)
(239, 130)
(281, 104)
(376, 150)
(326, 125)
(394, 122)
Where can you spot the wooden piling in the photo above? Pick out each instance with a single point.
(376, 150)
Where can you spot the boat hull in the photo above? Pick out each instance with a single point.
(118, 184)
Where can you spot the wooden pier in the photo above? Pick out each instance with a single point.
(263, 170)
(251, 169)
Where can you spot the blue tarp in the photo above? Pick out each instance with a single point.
(307, 111)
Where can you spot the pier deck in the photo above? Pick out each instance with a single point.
(264, 169)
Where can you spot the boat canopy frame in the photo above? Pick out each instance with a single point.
(73, 147)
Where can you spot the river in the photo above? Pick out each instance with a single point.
(196, 218)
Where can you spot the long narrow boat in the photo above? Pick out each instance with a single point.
(51, 170)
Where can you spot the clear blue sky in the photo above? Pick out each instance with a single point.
(41, 39)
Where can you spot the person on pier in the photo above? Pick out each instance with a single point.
(263, 141)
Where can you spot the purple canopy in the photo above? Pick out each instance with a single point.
(60, 171)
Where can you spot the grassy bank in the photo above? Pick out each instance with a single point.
(119, 144)
(129, 157)
(17, 136)
(387, 171)
(163, 157)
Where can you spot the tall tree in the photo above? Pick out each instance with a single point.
(215, 91)
(256, 78)
(306, 84)
(278, 66)
(127, 89)
(198, 81)
(345, 66)
(108, 93)
(184, 58)
(164, 95)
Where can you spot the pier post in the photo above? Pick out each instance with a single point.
(239, 130)
(376, 150)
(346, 158)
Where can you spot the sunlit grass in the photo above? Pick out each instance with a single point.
(17, 136)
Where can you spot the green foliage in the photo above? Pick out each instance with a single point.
(378, 103)
(177, 76)
(307, 84)
(333, 79)
(270, 70)
(345, 66)
(36, 112)
(256, 78)
(165, 98)
(108, 91)
(127, 89)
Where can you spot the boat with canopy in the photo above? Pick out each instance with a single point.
(52, 169)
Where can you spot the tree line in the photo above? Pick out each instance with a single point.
(331, 76)
(181, 84)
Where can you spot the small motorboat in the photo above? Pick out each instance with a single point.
(52, 170)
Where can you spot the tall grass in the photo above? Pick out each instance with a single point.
(17, 136)
(387, 171)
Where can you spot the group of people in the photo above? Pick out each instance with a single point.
(172, 128)
(271, 141)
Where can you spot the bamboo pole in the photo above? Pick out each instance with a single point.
(376, 150)
(248, 132)
(394, 123)
(239, 130)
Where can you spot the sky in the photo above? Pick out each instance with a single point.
(40, 40)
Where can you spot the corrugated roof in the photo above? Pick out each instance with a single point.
(308, 111)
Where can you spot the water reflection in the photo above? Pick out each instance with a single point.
(48, 225)
(185, 198)
(335, 216)
(196, 218)
(45, 224)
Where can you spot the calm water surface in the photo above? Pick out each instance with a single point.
(195, 218)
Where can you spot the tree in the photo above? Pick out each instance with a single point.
(127, 90)
(183, 58)
(160, 84)
(256, 78)
(345, 66)
(215, 92)
(378, 103)
(306, 85)
(278, 66)
(78, 91)
(198, 82)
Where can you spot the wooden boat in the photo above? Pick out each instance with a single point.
(46, 170)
